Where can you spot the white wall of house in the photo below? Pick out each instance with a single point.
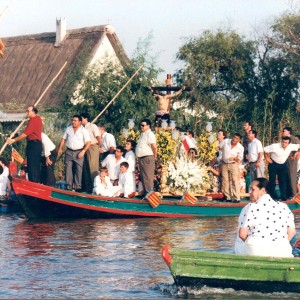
(104, 55)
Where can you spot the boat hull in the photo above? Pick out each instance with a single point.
(40, 201)
(192, 268)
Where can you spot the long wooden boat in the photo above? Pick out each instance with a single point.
(40, 201)
(192, 268)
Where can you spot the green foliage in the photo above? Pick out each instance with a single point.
(240, 79)
(97, 89)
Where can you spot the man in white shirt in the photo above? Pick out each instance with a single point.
(49, 155)
(77, 140)
(276, 155)
(292, 164)
(108, 142)
(255, 156)
(91, 157)
(112, 163)
(232, 155)
(146, 150)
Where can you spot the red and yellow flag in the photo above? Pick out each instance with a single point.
(16, 156)
(190, 198)
(1, 48)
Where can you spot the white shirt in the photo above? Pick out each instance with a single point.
(3, 184)
(93, 131)
(143, 147)
(228, 151)
(108, 140)
(112, 165)
(254, 148)
(76, 140)
(130, 157)
(48, 145)
(278, 153)
(127, 183)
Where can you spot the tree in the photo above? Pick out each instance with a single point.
(97, 89)
(220, 68)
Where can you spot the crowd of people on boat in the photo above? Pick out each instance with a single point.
(95, 164)
(239, 161)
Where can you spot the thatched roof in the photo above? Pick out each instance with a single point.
(31, 62)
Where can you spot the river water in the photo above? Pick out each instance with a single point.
(108, 259)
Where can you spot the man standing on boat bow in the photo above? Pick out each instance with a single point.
(33, 135)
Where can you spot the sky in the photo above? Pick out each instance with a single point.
(170, 22)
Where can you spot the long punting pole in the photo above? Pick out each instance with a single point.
(118, 93)
(35, 104)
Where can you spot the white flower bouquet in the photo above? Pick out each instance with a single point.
(184, 175)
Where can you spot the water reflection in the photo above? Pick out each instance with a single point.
(108, 259)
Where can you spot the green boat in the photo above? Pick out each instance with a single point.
(193, 268)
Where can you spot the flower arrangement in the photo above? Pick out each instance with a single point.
(184, 175)
(207, 148)
(128, 134)
(166, 146)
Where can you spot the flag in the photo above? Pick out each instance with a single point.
(190, 198)
(16, 156)
(188, 143)
(297, 198)
(153, 199)
(1, 48)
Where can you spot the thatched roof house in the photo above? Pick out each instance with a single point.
(32, 61)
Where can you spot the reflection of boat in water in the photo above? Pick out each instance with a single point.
(40, 201)
(192, 268)
(10, 206)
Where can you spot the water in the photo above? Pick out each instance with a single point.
(107, 259)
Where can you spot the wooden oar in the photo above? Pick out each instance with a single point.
(35, 104)
(119, 92)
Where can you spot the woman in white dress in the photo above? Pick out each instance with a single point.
(265, 226)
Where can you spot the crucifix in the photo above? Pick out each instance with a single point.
(164, 100)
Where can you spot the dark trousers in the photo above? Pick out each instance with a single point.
(292, 177)
(87, 184)
(47, 172)
(147, 167)
(73, 166)
(281, 170)
(33, 154)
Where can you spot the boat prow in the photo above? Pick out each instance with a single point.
(193, 268)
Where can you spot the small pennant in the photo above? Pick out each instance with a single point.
(297, 198)
(190, 198)
(153, 199)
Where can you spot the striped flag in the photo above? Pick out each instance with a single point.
(188, 197)
(16, 156)
(1, 48)
(297, 198)
(153, 199)
(187, 144)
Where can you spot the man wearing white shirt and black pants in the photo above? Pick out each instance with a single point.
(77, 140)
(232, 155)
(255, 156)
(276, 155)
(49, 155)
(146, 150)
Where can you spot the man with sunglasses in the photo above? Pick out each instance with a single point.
(146, 150)
(33, 135)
